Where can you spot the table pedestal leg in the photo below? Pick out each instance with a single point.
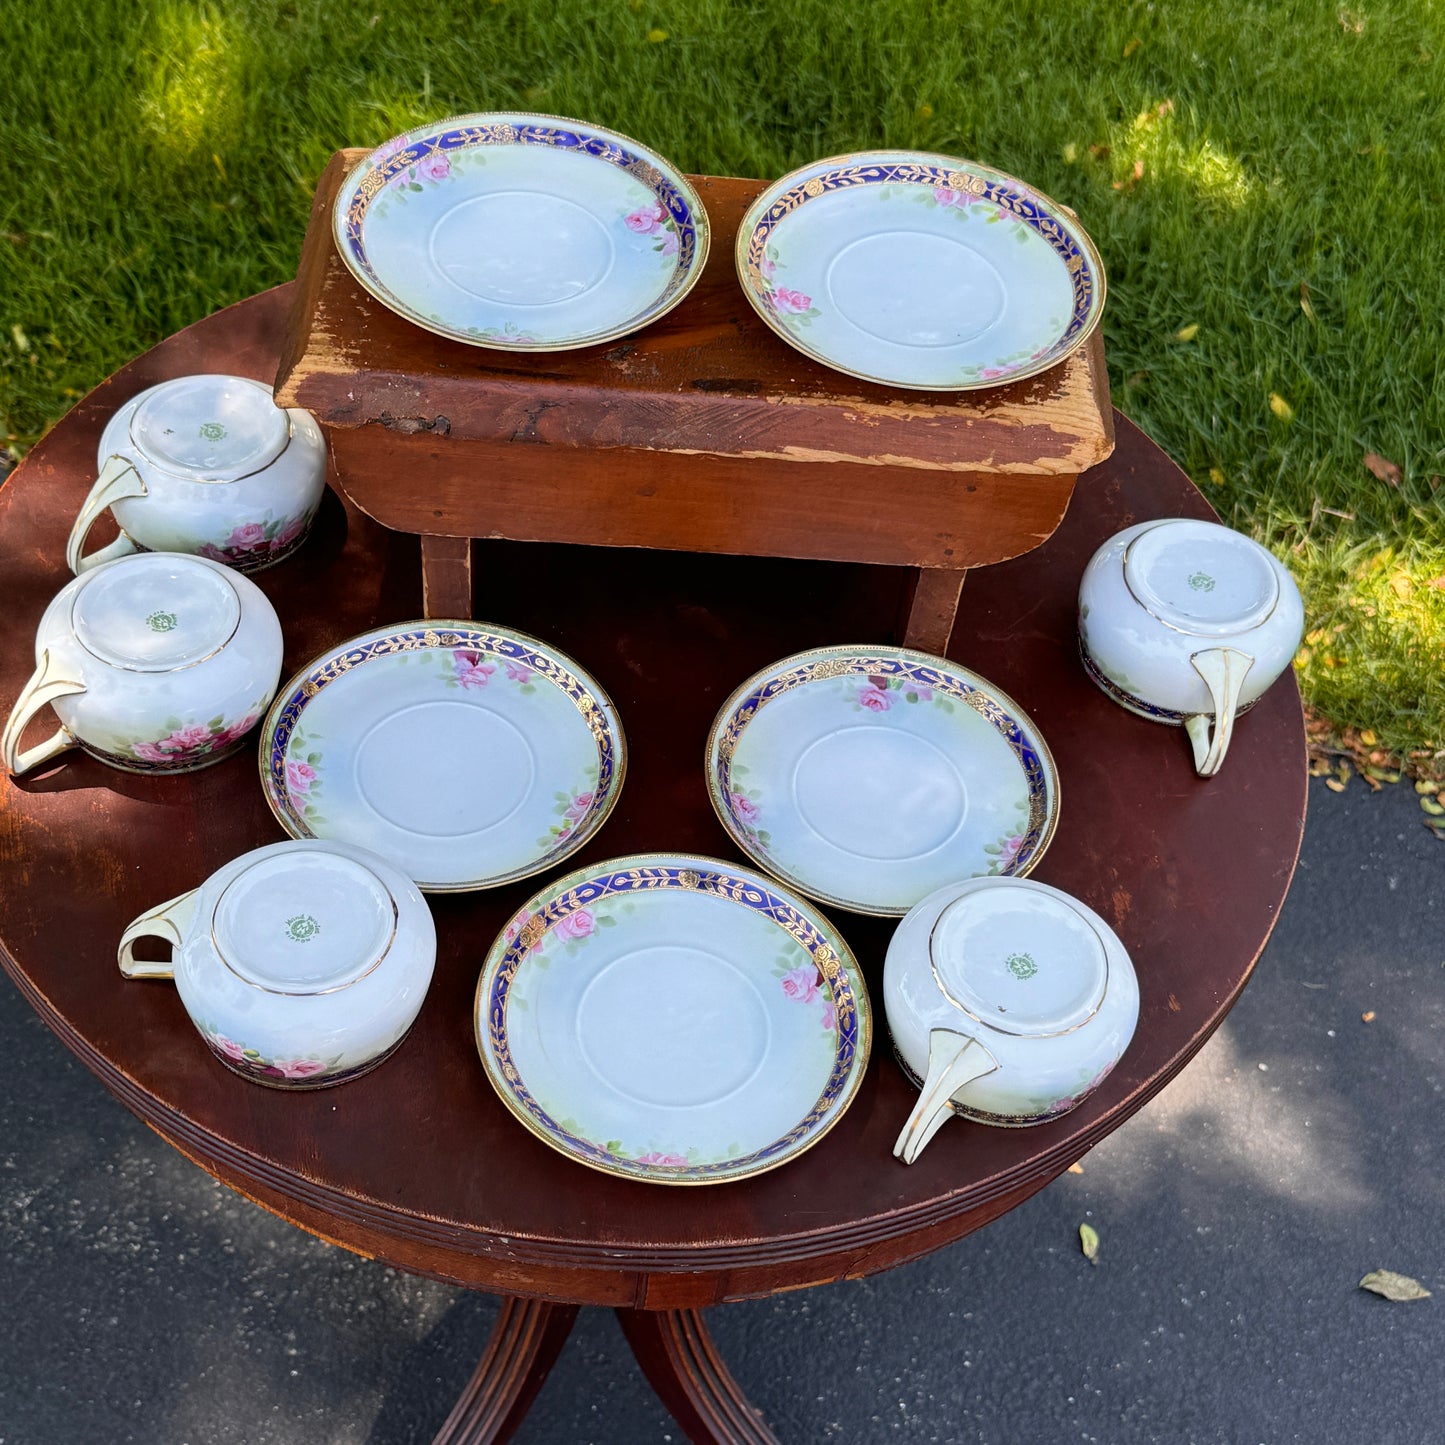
(677, 1355)
(526, 1340)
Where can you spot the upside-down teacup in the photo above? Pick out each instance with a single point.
(1008, 1001)
(156, 663)
(302, 964)
(206, 464)
(1188, 622)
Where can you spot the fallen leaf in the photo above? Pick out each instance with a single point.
(22, 341)
(1429, 805)
(1367, 1016)
(1071, 153)
(1386, 471)
(1280, 407)
(1135, 176)
(1334, 785)
(656, 37)
(1427, 785)
(1099, 152)
(1165, 107)
(1394, 1286)
(1216, 476)
(1089, 1242)
(1133, 45)
(1304, 300)
(925, 111)
(1076, 1168)
(1187, 333)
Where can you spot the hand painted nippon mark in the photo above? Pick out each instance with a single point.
(212, 431)
(161, 622)
(302, 928)
(1021, 965)
(1201, 582)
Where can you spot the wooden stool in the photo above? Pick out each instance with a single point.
(703, 433)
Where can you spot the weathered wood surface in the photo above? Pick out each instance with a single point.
(708, 378)
(419, 1163)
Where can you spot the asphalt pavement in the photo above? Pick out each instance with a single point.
(1302, 1148)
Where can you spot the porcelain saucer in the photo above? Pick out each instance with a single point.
(868, 777)
(468, 755)
(920, 270)
(521, 232)
(674, 1019)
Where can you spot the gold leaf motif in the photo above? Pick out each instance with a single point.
(1074, 263)
(813, 187)
(309, 688)
(976, 185)
(957, 181)
(532, 933)
(689, 878)
(832, 667)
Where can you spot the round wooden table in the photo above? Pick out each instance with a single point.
(419, 1164)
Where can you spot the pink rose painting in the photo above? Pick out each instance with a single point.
(229, 1047)
(1009, 856)
(577, 808)
(577, 924)
(801, 984)
(435, 167)
(516, 671)
(299, 778)
(655, 1158)
(745, 810)
(830, 1016)
(253, 543)
(191, 742)
(298, 1068)
(652, 220)
(473, 669)
(790, 303)
(946, 197)
(645, 220)
(234, 732)
(874, 698)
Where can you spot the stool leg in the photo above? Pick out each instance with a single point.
(681, 1363)
(932, 606)
(446, 577)
(526, 1340)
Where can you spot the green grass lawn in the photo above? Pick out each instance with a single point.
(1265, 181)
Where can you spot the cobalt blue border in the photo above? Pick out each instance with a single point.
(727, 734)
(831, 958)
(599, 146)
(278, 727)
(978, 183)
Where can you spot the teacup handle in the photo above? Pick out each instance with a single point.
(1223, 670)
(170, 921)
(954, 1060)
(118, 479)
(45, 685)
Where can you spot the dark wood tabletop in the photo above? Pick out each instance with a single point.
(419, 1163)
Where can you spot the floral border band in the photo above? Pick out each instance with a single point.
(1019, 203)
(750, 893)
(467, 137)
(936, 679)
(469, 639)
(1137, 704)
